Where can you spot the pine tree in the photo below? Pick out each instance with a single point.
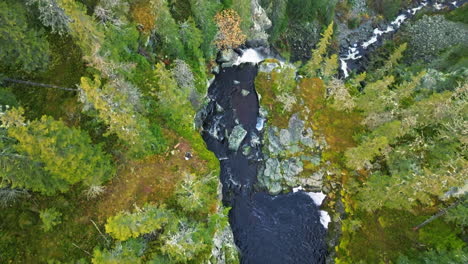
(168, 29)
(118, 101)
(48, 156)
(52, 15)
(318, 54)
(22, 48)
(330, 67)
(192, 40)
(146, 220)
(203, 12)
(173, 100)
(127, 252)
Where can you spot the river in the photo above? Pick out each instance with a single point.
(267, 229)
(286, 228)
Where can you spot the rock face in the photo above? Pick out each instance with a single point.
(260, 22)
(224, 250)
(286, 151)
(227, 57)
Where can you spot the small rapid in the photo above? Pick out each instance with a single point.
(351, 56)
(285, 228)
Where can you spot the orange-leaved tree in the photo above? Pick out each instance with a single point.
(230, 34)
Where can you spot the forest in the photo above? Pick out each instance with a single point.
(102, 158)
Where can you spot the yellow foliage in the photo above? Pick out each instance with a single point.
(143, 15)
(230, 34)
(315, 63)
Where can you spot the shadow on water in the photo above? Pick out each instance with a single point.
(267, 229)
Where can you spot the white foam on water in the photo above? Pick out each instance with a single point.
(389, 29)
(369, 42)
(324, 218)
(296, 189)
(249, 56)
(317, 197)
(344, 68)
(260, 123)
(399, 20)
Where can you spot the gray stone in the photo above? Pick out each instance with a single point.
(275, 188)
(244, 92)
(215, 69)
(272, 170)
(246, 149)
(274, 145)
(263, 112)
(260, 20)
(285, 137)
(227, 56)
(237, 136)
(312, 183)
(268, 67)
(219, 108)
(291, 168)
(296, 126)
(254, 140)
(306, 138)
(291, 149)
(227, 64)
(224, 250)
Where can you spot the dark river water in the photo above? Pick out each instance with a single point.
(267, 229)
(285, 228)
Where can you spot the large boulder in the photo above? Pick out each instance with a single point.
(227, 57)
(291, 169)
(237, 136)
(313, 182)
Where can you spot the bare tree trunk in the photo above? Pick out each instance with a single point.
(439, 214)
(39, 84)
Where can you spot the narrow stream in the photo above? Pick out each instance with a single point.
(351, 57)
(267, 229)
(286, 228)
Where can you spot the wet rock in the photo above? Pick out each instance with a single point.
(275, 188)
(260, 123)
(219, 108)
(244, 92)
(215, 69)
(237, 136)
(254, 140)
(263, 112)
(246, 149)
(272, 170)
(268, 67)
(227, 56)
(236, 82)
